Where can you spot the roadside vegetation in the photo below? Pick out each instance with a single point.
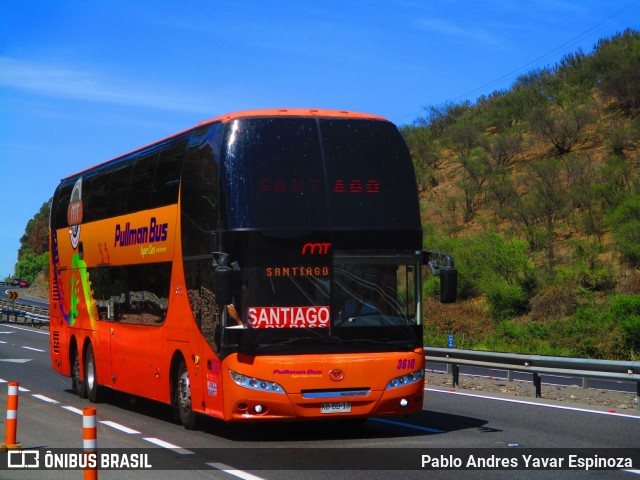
(33, 254)
(536, 193)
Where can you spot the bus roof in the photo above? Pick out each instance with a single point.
(269, 112)
(291, 112)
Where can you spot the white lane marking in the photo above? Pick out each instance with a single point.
(637, 472)
(117, 426)
(2, 341)
(6, 333)
(524, 402)
(234, 472)
(44, 399)
(72, 409)
(34, 349)
(15, 360)
(27, 330)
(22, 389)
(408, 425)
(170, 446)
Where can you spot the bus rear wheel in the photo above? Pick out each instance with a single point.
(183, 397)
(77, 383)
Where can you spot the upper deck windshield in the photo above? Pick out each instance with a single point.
(323, 172)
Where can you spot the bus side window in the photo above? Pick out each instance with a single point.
(199, 278)
(59, 204)
(166, 181)
(136, 294)
(119, 178)
(139, 197)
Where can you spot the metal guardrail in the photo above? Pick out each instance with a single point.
(537, 365)
(31, 315)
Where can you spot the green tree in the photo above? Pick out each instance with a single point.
(503, 149)
(30, 264)
(549, 198)
(625, 226)
(563, 126)
(476, 170)
(616, 65)
(425, 153)
(36, 235)
(33, 255)
(439, 117)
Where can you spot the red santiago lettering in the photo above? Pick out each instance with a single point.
(289, 317)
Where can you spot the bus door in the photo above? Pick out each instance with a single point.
(199, 279)
(132, 303)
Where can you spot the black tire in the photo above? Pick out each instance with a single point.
(94, 391)
(77, 382)
(183, 397)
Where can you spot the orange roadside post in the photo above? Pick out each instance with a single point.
(90, 440)
(10, 441)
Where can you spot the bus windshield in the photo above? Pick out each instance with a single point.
(369, 301)
(324, 172)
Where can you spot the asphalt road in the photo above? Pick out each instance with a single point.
(49, 418)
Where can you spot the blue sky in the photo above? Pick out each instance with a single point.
(82, 82)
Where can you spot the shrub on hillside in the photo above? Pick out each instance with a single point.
(625, 226)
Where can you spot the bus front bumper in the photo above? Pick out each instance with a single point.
(406, 400)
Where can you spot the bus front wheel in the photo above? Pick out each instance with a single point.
(94, 390)
(183, 397)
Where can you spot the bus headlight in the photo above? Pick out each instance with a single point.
(407, 379)
(255, 383)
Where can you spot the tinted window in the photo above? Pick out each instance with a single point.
(166, 181)
(94, 196)
(141, 184)
(60, 204)
(273, 173)
(199, 197)
(118, 179)
(316, 173)
(370, 175)
(199, 278)
(132, 293)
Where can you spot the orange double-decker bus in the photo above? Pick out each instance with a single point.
(261, 265)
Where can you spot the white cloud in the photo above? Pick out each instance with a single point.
(61, 82)
(459, 32)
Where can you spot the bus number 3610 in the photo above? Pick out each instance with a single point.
(406, 363)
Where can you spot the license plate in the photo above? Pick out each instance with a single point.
(335, 407)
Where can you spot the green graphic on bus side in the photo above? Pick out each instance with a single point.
(80, 266)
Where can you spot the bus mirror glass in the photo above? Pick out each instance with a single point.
(224, 285)
(448, 284)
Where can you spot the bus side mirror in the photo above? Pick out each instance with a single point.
(441, 265)
(448, 284)
(224, 285)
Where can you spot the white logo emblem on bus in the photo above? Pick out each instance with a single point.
(74, 213)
